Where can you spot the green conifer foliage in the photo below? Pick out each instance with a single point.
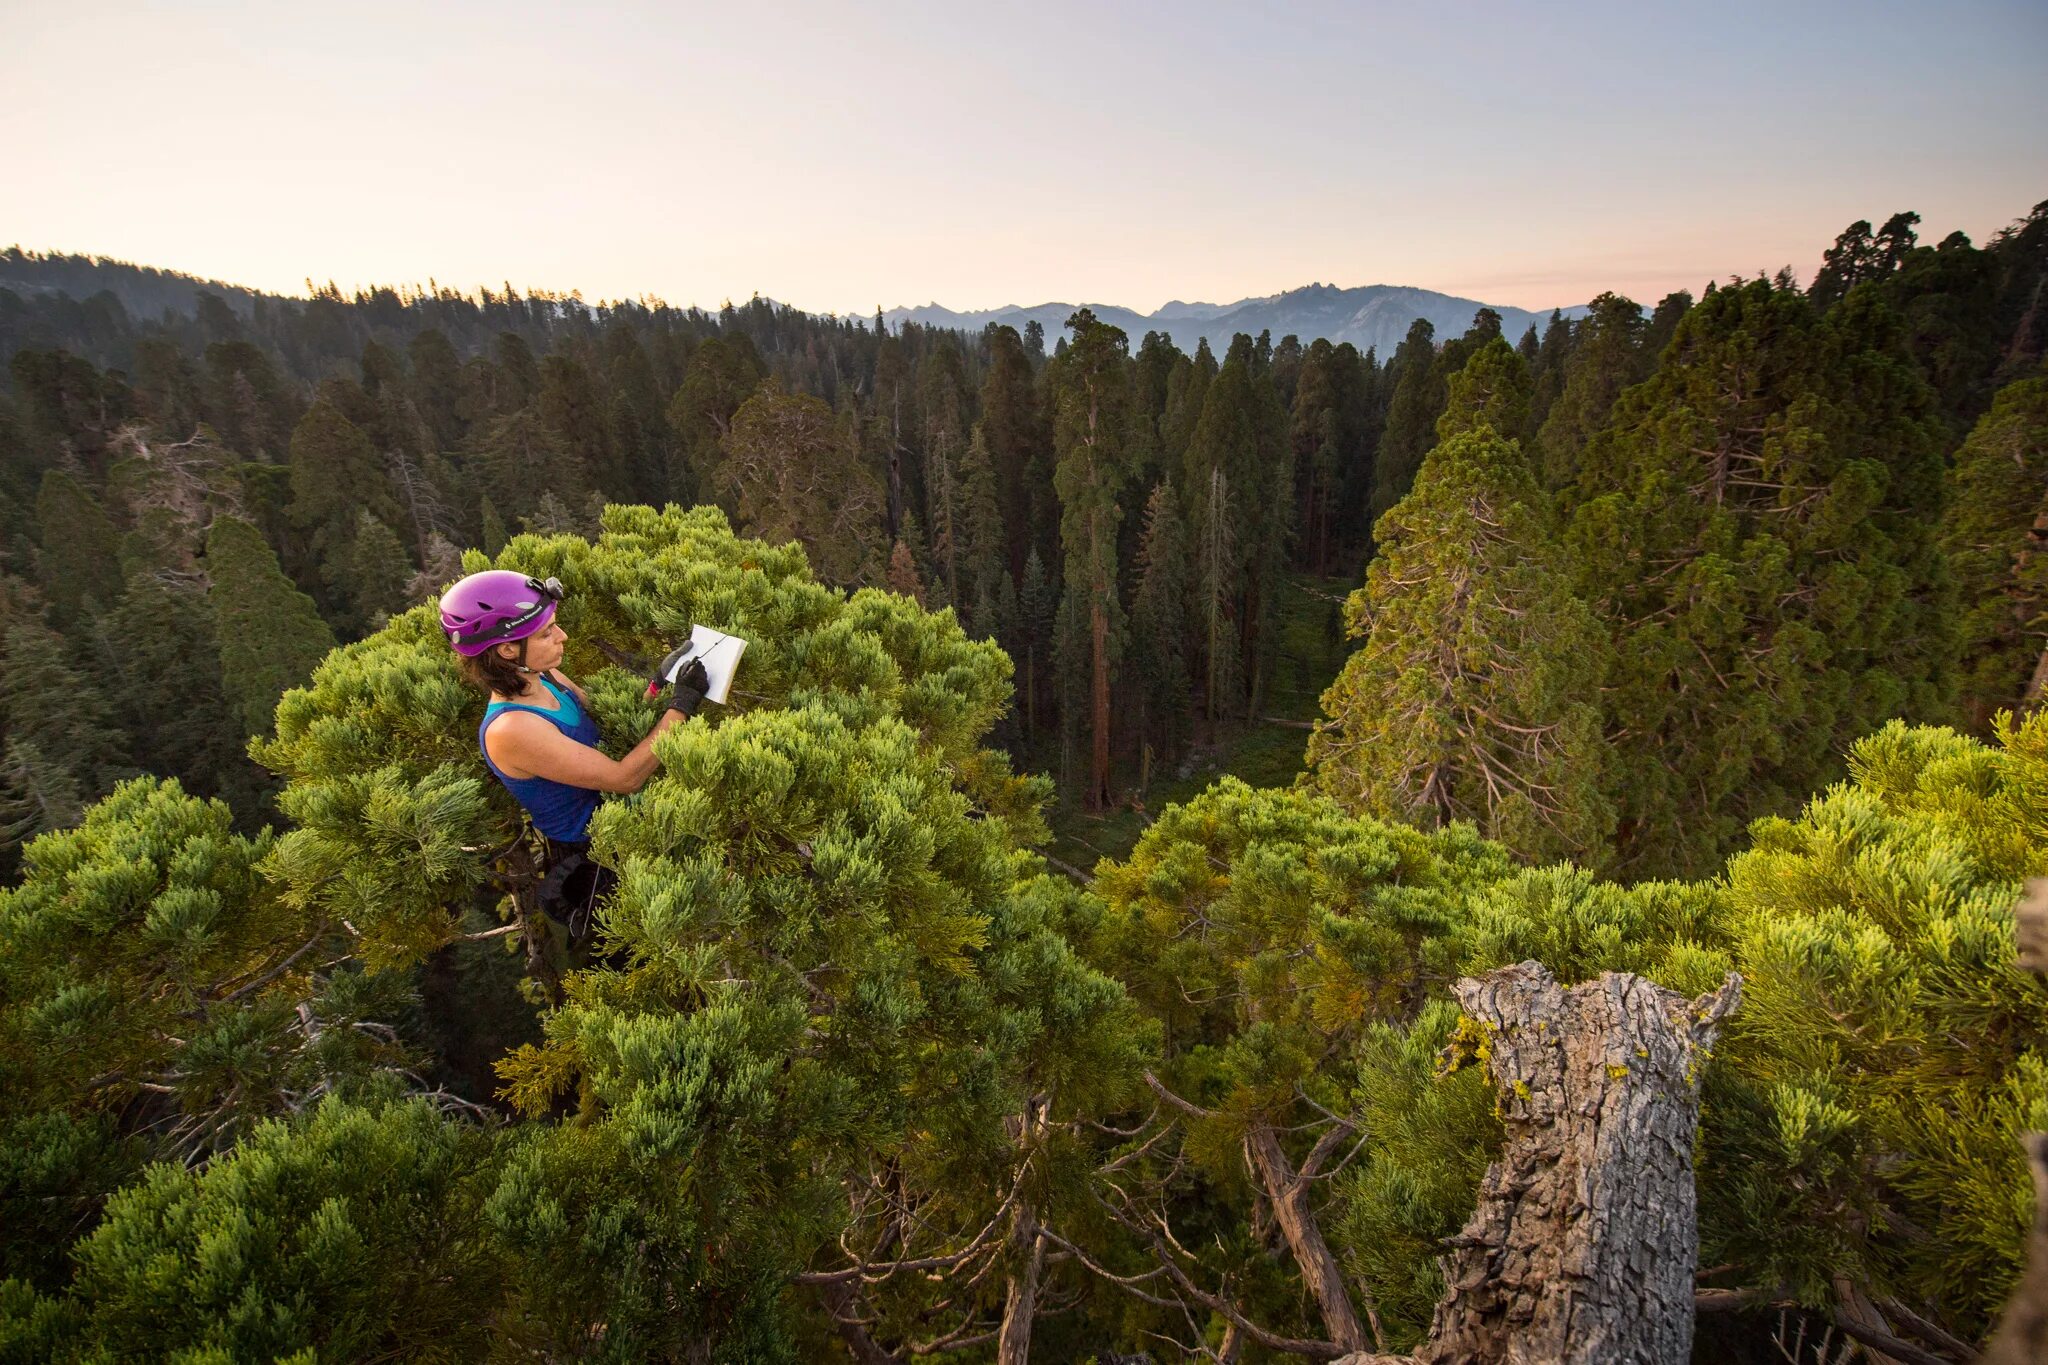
(78, 550)
(721, 376)
(830, 975)
(984, 551)
(335, 474)
(1475, 694)
(1417, 399)
(118, 929)
(1491, 391)
(494, 536)
(397, 817)
(792, 473)
(370, 573)
(1994, 531)
(1159, 614)
(1867, 1101)
(1237, 476)
(1090, 385)
(1268, 933)
(36, 794)
(270, 633)
(1546, 375)
(436, 385)
(1606, 346)
(575, 410)
(54, 702)
(148, 983)
(520, 461)
(1754, 526)
(1013, 431)
(1329, 436)
(159, 639)
(353, 1235)
(1037, 601)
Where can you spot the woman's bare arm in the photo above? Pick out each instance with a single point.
(524, 745)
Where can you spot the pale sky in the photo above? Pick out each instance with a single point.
(841, 156)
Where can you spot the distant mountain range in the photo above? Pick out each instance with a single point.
(1375, 316)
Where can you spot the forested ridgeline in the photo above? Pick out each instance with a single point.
(864, 1077)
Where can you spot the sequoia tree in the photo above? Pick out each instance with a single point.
(1090, 393)
(1475, 693)
(1753, 526)
(1995, 531)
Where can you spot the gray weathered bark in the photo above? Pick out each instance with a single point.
(1020, 1299)
(1586, 1239)
(2023, 1332)
(1026, 1250)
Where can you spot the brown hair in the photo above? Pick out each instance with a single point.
(493, 672)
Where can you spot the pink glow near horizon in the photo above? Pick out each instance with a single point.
(838, 159)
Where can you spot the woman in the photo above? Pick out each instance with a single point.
(538, 736)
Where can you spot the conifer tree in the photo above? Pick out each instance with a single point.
(1995, 534)
(574, 409)
(1013, 429)
(78, 551)
(494, 537)
(1268, 933)
(1868, 1101)
(1238, 479)
(903, 577)
(1491, 391)
(1328, 436)
(436, 386)
(36, 795)
(1159, 614)
(335, 474)
(270, 634)
(1606, 344)
(370, 574)
(1474, 695)
(514, 374)
(984, 548)
(1036, 604)
(1663, 325)
(1090, 389)
(792, 473)
(722, 375)
(159, 639)
(521, 460)
(355, 1234)
(1753, 526)
(1412, 409)
(1546, 375)
(58, 705)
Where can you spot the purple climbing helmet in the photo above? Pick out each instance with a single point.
(495, 606)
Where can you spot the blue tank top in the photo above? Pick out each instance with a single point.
(559, 811)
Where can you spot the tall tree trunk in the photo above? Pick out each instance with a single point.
(1586, 1239)
(1098, 754)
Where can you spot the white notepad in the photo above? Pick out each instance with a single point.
(720, 655)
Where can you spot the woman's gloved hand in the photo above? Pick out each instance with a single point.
(690, 686)
(659, 678)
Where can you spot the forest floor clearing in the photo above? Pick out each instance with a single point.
(1266, 754)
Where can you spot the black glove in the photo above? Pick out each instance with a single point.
(659, 678)
(691, 685)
